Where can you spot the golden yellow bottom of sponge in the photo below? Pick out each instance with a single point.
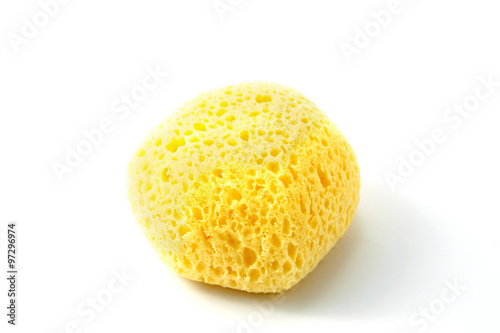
(247, 187)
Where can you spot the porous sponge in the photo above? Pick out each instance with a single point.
(247, 187)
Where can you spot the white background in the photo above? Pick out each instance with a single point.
(441, 224)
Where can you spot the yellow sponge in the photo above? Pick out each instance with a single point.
(247, 187)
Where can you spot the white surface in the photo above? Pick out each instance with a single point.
(442, 224)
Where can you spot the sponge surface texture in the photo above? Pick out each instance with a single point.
(247, 187)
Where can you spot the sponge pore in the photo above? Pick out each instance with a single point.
(247, 187)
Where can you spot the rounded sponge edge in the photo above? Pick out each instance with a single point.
(247, 187)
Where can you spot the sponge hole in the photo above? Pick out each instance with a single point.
(287, 267)
(292, 251)
(183, 229)
(275, 241)
(244, 135)
(249, 257)
(254, 275)
(263, 98)
(323, 177)
(273, 166)
(175, 143)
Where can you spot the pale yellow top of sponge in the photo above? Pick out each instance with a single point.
(247, 187)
